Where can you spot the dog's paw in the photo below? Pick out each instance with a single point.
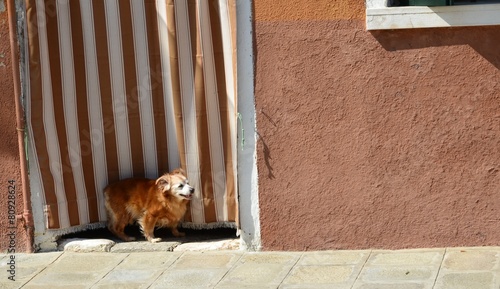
(155, 240)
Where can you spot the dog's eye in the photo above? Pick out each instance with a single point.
(180, 186)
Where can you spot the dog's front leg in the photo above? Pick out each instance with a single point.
(147, 223)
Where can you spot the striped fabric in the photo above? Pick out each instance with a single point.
(122, 88)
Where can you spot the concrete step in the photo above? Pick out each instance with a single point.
(83, 245)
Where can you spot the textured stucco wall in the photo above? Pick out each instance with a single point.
(385, 139)
(9, 151)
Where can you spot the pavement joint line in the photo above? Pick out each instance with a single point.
(164, 271)
(230, 269)
(291, 269)
(104, 276)
(40, 272)
(361, 270)
(440, 266)
(233, 267)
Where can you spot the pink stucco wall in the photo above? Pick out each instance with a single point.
(9, 150)
(386, 139)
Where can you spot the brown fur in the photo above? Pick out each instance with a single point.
(153, 203)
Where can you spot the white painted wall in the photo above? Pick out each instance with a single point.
(247, 153)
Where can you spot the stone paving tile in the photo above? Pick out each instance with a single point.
(465, 260)
(122, 286)
(479, 280)
(189, 278)
(246, 286)
(390, 269)
(260, 269)
(271, 257)
(7, 284)
(252, 275)
(398, 274)
(334, 258)
(138, 270)
(86, 279)
(27, 266)
(427, 257)
(315, 286)
(326, 269)
(148, 260)
(55, 286)
(405, 285)
(207, 260)
(321, 276)
(474, 268)
(75, 269)
(197, 270)
(86, 262)
(132, 278)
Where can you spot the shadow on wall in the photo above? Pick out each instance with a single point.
(267, 157)
(485, 40)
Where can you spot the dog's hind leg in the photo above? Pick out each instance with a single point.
(116, 224)
(175, 232)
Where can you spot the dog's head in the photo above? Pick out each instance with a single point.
(176, 184)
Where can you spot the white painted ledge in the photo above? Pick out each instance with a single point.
(379, 18)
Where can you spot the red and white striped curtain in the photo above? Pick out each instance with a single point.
(121, 88)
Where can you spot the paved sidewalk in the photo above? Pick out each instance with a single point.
(451, 268)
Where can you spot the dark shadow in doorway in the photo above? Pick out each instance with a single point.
(203, 235)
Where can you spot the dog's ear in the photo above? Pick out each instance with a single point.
(178, 171)
(163, 182)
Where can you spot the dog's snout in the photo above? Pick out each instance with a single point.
(191, 190)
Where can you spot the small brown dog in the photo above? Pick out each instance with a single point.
(153, 203)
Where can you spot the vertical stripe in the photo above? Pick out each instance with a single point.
(48, 122)
(118, 80)
(171, 87)
(131, 88)
(213, 113)
(69, 105)
(233, 27)
(56, 59)
(35, 109)
(105, 92)
(227, 106)
(232, 198)
(188, 106)
(85, 161)
(209, 204)
(175, 112)
(144, 96)
(229, 64)
(49, 57)
(155, 70)
(93, 136)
